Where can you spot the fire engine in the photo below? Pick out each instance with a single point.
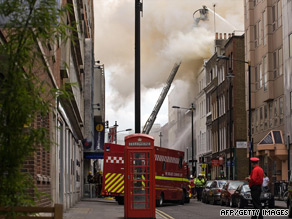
(171, 175)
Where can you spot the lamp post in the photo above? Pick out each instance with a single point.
(192, 108)
(126, 130)
(230, 75)
(250, 149)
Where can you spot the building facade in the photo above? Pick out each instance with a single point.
(264, 51)
(58, 172)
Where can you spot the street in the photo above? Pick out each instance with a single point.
(104, 208)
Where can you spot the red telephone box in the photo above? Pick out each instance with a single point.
(139, 176)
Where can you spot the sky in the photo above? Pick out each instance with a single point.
(168, 35)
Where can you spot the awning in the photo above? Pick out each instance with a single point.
(273, 145)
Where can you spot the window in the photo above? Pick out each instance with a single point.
(275, 113)
(265, 116)
(274, 17)
(259, 33)
(281, 112)
(264, 27)
(256, 77)
(265, 72)
(280, 59)
(255, 35)
(279, 13)
(290, 45)
(271, 114)
(275, 64)
(291, 102)
(261, 76)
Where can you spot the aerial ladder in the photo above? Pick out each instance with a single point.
(149, 123)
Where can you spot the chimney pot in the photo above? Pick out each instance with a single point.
(220, 36)
(216, 36)
(224, 36)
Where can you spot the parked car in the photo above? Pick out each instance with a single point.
(214, 193)
(227, 190)
(267, 198)
(206, 190)
(242, 197)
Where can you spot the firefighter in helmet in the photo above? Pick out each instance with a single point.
(192, 185)
(90, 177)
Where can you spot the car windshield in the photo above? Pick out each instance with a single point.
(208, 184)
(221, 184)
(234, 185)
(245, 188)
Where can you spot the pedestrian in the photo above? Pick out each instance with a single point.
(255, 183)
(266, 181)
(199, 183)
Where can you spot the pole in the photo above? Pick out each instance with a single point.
(193, 169)
(249, 118)
(116, 130)
(230, 130)
(138, 9)
(288, 142)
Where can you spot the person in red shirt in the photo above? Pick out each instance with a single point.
(255, 181)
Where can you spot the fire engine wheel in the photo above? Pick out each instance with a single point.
(160, 201)
(183, 198)
(120, 200)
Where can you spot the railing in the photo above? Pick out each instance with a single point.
(56, 212)
(281, 190)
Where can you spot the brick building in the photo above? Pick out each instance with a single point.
(58, 171)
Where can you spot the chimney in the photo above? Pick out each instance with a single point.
(216, 36)
(224, 36)
(220, 36)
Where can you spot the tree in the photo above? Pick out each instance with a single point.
(29, 29)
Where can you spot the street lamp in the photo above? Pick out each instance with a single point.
(249, 107)
(126, 130)
(230, 75)
(192, 108)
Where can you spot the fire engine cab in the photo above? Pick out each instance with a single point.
(171, 174)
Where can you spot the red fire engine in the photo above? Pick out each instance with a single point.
(171, 174)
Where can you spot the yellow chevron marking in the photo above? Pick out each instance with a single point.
(110, 180)
(111, 175)
(121, 183)
(121, 190)
(116, 182)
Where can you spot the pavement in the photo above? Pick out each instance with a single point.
(109, 208)
(100, 208)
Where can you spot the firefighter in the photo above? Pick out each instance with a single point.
(89, 177)
(199, 184)
(255, 181)
(99, 183)
(192, 185)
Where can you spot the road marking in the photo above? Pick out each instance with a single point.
(163, 214)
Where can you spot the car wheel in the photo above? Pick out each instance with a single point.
(160, 201)
(207, 200)
(232, 205)
(203, 199)
(222, 202)
(240, 203)
(213, 202)
(290, 211)
(271, 203)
